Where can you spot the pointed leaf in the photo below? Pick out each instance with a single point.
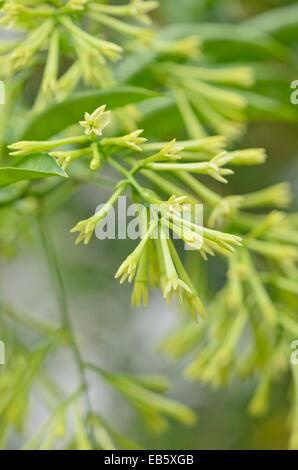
(31, 168)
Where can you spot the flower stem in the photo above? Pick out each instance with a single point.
(58, 282)
(128, 174)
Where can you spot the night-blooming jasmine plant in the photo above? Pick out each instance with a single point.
(131, 156)
(76, 112)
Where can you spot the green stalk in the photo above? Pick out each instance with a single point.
(128, 175)
(58, 282)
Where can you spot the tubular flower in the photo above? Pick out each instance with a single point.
(257, 236)
(58, 27)
(96, 122)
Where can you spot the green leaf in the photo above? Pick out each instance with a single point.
(224, 42)
(160, 117)
(279, 22)
(31, 168)
(59, 116)
(263, 107)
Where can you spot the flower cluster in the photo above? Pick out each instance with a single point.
(258, 301)
(208, 99)
(57, 27)
(155, 261)
(147, 394)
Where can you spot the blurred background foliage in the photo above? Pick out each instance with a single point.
(216, 10)
(111, 333)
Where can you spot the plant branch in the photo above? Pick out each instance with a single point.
(61, 297)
